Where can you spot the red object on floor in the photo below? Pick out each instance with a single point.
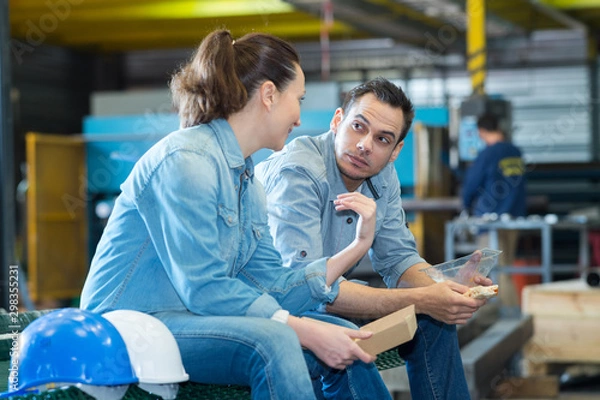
(522, 280)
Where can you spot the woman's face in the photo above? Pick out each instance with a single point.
(286, 111)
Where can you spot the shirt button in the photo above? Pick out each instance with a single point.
(229, 219)
(303, 253)
(349, 220)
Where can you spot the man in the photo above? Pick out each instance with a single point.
(495, 183)
(357, 155)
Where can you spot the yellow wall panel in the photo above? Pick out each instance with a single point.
(56, 216)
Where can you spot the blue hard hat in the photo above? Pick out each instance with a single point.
(69, 346)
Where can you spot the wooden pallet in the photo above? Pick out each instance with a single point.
(566, 319)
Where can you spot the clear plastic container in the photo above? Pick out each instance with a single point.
(464, 269)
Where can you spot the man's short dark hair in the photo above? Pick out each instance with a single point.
(489, 122)
(387, 92)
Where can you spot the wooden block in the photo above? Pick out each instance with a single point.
(540, 387)
(564, 339)
(572, 298)
(531, 368)
(566, 320)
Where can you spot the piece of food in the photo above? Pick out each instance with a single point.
(482, 292)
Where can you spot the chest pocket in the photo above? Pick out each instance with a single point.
(254, 226)
(228, 224)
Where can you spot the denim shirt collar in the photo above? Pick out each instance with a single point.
(230, 146)
(334, 176)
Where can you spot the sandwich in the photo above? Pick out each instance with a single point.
(482, 292)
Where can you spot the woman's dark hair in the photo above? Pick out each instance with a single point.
(223, 74)
(386, 92)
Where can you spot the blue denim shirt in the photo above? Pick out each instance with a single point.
(189, 233)
(301, 183)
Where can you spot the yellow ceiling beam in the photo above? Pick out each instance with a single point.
(177, 9)
(144, 34)
(572, 4)
(126, 25)
(116, 32)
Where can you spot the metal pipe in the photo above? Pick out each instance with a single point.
(7, 168)
(476, 45)
(594, 98)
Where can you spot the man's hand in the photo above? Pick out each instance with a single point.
(482, 280)
(332, 344)
(445, 302)
(468, 272)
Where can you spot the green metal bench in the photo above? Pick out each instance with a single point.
(187, 390)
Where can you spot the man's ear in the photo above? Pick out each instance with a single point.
(396, 151)
(268, 92)
(336, 120)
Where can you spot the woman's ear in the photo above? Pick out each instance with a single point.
(268, 93)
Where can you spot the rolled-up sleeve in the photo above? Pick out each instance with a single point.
(394, 249)
(296, 290)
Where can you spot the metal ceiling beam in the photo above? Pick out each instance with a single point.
(391, 20)
(572, 4)
(561, 17)
(533, 15)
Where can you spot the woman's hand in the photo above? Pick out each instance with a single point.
(366, 208)
(332, 344)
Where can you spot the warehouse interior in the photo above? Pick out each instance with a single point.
(84, 93)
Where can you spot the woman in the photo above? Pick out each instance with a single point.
(188, 240)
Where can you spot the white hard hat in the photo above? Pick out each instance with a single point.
(153, 351)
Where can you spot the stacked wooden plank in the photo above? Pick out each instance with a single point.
(566, 318)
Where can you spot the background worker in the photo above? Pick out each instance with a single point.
(496, 183)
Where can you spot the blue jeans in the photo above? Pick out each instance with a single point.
(358, 381)
(257, 352)
(433, 362)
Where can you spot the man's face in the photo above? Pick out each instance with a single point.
(366, 139)
(484, 135)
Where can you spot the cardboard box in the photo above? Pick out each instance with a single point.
(390, 331)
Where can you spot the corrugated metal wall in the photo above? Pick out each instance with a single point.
(54, 85)
(551, 104)
(51, 87)
(551, 107)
